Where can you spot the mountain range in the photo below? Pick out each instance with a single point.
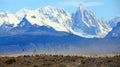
(50, 29)
(82, 23)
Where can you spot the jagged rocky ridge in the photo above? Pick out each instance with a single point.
(115, 32)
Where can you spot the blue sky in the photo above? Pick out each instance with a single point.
(107, 9)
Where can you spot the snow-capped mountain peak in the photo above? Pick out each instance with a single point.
(114, 21)
(56, 18)
(85, 23)
(9, 18)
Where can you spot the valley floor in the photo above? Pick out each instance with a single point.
(59, 61)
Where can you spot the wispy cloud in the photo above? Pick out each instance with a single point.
(87, 4)
(68, 3)
(76, 3)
